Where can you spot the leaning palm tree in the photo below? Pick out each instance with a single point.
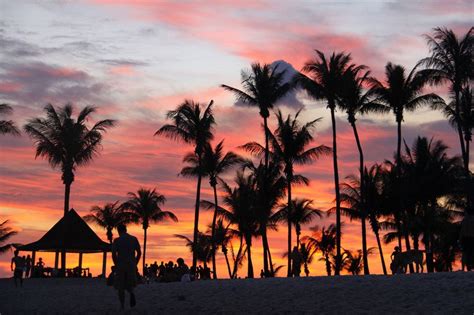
(213, 163)
(355, 99)
(451, 62)
(222, 238)
(67, 143)
(144, 207)
(263, 87)
(323, 81)
(108, 217)
(303, 212)
(193, 124)
(289, 144)
(307, 253)
(323, 240)
(7, 126)
(6, 233)
(401, 93)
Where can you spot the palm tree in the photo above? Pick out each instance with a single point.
(370, 207)
(323, 240)
(67, 143)
(324, 82)
(451, 62)
(430, 175)
(303, 212)
(213, 163)
(108, 217)
(289, 147)
(222, 237)
(307, 255)
(202, 248)
(7, 126)
(402, 93)
(144, 207)
(355, 262)
(355, 99)
(6, 232)
(263, 87)
(270, 187)
(240, 201)
(193, 124)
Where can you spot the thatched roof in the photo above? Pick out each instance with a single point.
(70, 233)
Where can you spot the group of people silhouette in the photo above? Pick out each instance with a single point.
(175, 272)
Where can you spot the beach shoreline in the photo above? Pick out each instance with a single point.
(439, 293)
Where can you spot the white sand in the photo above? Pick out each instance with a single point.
(442, 293)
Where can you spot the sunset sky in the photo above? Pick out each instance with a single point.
(135, 60)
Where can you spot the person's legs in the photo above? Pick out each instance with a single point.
(133, 301)
(121, 294)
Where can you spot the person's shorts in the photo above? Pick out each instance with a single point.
(18, 273)
(125, 279)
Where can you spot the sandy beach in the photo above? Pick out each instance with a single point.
(441, 293)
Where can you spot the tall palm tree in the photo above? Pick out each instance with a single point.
(451, 62)
(7, 126)
(108, 217)
(193, 124)
(289, 145)
(144, 207)
(6, 233)
(303, 212)
(270, 185)
(67, 143)
(323, 240)
(354, 98)
(323, 81)
(214, 164)
(402, 93)
(240, 202)
(263, 87)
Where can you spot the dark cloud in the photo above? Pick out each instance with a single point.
(16, 48)
(39, 83)
(123, 62)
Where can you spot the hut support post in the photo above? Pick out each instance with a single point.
(80, 260)
(104, 264)
(56, 260)
(33, 263)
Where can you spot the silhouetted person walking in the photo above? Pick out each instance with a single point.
(19, 263)
(126, 254)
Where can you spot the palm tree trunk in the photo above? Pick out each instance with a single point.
(144, 250)
(362, 197)
(290, 210)
(399, 161)
(265, 249)
(67, 193)
(328, 265)
(466, 163)
(265, 125)
(213, 233)
(196, 216)
(269, 256)
(248, 241)
(236, 263)
(338, 197)
(379, 244)
(459, 129)
(224, 250)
